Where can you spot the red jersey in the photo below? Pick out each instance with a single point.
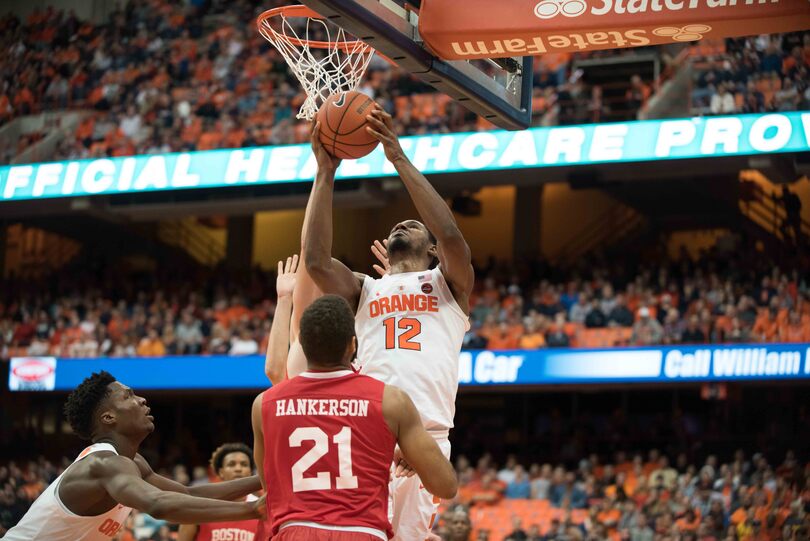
(328, 453)
(237, 530)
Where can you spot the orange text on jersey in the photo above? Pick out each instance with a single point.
(405, 302)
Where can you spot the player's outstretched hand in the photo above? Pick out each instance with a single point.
(381, 126)
(260, 507)
(432, 537)
(285, 281)
(326, 162)
(403, 469)
(380, 251)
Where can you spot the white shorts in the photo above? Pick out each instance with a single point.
(411, 508)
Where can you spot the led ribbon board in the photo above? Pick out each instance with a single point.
(715, 363)
(705, 137)
(536, 27)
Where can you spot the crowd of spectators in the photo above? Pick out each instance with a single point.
(732, 298)
(754, 75)
(170, 76)
(635, 498)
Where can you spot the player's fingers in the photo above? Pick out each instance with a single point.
(316, 130)
(375, 134)
(280, 268)
(288, 265)
(382, 246)
(385, 243)
(376, 121)
(379, 270)
(294, 263)
(379, 254)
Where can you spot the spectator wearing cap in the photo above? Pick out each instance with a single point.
(646, 331)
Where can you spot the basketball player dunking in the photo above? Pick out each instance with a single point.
(324, 440)
(410, 323)
(93, 497)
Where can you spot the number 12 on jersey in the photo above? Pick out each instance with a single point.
(412, 328)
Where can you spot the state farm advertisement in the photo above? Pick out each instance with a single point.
(536, 27)
(32, 374)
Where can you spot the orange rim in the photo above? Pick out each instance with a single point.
(304, 11)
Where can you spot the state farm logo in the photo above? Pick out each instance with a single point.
(548, 9)
(32, 370)
(690, 32)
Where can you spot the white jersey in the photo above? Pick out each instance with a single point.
(49, 520)
(409, 332)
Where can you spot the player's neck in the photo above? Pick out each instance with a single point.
(407, 265)
(123, 446)
(333, 368)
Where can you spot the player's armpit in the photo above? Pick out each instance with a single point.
(419, 449)
(258, 438)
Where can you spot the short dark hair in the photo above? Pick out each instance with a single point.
(326, 330)
(218, 457)
(83, 402)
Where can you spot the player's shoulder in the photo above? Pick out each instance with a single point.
(106, 463)
(394, 396)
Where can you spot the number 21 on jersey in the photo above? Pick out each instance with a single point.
(411, 328)
(322, 480)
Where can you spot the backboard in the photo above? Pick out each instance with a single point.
(393, 30)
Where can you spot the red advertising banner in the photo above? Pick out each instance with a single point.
(469, 29)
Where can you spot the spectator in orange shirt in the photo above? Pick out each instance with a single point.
(489, 491)
(689, 522)
(151, 345)
(503, 338)
(533, 339)
(794, 330)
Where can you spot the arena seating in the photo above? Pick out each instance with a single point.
(186, 87)
(745, 497)
(703, 301)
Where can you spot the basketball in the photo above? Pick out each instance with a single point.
(343, 122)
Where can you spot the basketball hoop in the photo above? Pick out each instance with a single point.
(320, 55)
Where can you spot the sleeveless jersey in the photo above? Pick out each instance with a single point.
(237, 530)
(409, 331)
(49, 520)
(327, 453)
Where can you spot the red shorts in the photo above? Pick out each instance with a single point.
(302, 533)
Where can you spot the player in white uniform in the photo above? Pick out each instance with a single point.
(94, 495)
(410, 323)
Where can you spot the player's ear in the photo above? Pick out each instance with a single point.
(433, 251)
(107, 417)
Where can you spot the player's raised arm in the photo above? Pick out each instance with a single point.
(330, 275)
(258, 438)
(278, 345)
(418, 448)
(453, 251)
(121, 478)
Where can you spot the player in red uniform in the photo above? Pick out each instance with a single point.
(325, 440)
(230, 461)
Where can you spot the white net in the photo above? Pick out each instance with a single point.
(320, 54)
